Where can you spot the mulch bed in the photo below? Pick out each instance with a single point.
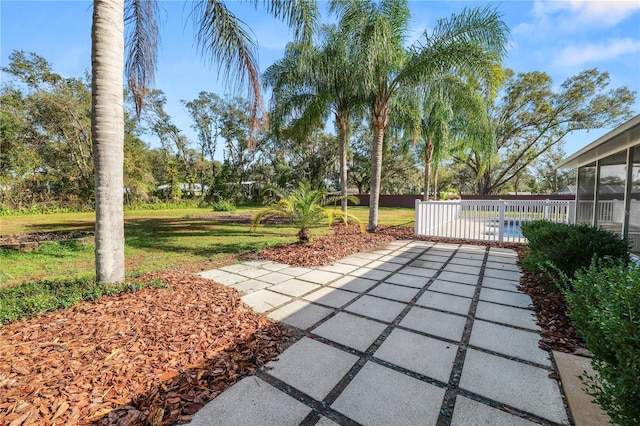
(156, 356)
(558, 332)
(151, 357)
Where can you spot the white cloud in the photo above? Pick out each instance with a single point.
(597, 52)
(604, 13)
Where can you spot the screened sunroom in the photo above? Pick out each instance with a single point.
(608, 186)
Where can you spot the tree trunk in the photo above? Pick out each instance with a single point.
(484, 184)
(107, 127)
(343, 129)
(380, 121)
(428, 154)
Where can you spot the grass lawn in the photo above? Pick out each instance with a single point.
(154, 240)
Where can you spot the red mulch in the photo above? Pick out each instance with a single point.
(156, 356)
(558, 332)
(151, 357)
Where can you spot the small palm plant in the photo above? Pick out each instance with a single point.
(303, 207)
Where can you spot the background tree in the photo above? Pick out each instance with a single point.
(308, 90)
(531, 117)
(471, 43)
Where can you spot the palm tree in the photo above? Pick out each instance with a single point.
(221, 37)
(313, 88)
(454, 118)
(303, 207)
(471, 43)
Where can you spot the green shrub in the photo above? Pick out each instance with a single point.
(605, 307)
(559, 249)
(223, 206)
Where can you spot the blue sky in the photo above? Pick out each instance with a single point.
(561, 38)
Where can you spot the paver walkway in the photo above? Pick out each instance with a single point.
(416, 333)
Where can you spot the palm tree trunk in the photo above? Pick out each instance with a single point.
(380, 121)
(428, 154)
(107, 127)
(343, 128)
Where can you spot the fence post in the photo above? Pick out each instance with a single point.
(545, 215)
(571, 212)
(416, 225)
(501, 208)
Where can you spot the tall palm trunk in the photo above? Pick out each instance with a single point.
(107, 127)
(343, 129)
(380, 122)
(428, 155)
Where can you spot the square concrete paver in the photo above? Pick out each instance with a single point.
(331, 297)
(226, 278)
(453, 288)
(408, 280)
(420, 272)
(469, 412)
(463, 269)
(356, 261)
(435, 258)
(520, 300)
(338, 268)
(213, 274)
(460, 278)
(520, 385)
(500, 284)
(445, 302)
(503, 266)
(357, 284)
(350, 330)
(384, 266)
(312, 367)
(300, 314)
(372, 274)
(251, 401)
(502, 274)
(367, 255)
(326, 422)
(264, 300)
(395, 292)
(374, 307)
(274, 266)
(507, 315)
(509, 341)
(294, 271)
(428, 264)
(424, 355)
(435, 323)
(254, 272)
(381, 396)
(393, 258)
(275, 278)
(294, 287)
(250, 286)
(461, 260)
(319, 277)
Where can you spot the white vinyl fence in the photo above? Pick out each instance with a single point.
(486, 220)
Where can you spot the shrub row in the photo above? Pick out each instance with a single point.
(559, 250)
(591, 267)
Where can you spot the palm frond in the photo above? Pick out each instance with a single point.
(142, 40)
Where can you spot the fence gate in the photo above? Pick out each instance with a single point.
(486, 220)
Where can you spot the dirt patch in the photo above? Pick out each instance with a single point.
(29, 241)
(242, 218)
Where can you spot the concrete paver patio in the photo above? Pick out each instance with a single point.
(413, 333)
